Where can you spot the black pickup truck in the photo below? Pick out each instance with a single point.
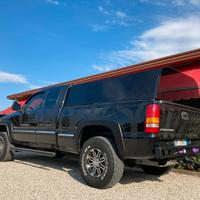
(107, 123)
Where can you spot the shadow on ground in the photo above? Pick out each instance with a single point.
(70, 165)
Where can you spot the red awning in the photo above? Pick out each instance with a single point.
(9, 110)
(183, 85)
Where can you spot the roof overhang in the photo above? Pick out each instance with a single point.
(183, 85)
(178, 60)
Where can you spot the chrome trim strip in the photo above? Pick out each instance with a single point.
(167, 130)
(66, 135)
(23, 131)
(45, 132)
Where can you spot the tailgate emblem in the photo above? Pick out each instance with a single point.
(184, 116)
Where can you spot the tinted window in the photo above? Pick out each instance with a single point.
(52, 97)
(35, 102)
(140, 86)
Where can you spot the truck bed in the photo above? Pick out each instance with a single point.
(179, 121)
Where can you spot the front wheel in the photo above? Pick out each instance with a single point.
(99, 164)
(5, 153)
(156, 170)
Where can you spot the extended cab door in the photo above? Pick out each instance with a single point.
(24, 130)
(46, 127)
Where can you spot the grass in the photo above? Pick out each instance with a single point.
(192, 163)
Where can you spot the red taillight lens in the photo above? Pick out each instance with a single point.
(152, 122)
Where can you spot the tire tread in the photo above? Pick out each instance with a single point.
(8, 154)
(117, 162)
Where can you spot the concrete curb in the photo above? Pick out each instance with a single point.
(186, 172)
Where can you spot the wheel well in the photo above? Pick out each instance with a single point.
(3, 128)
(92, 131)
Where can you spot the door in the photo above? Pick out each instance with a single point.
(47, 117)
(25, 130)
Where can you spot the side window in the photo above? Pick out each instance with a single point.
(35, 102)
(52, 97)
(139, 86)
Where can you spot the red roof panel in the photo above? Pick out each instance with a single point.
(9, 110)
(182, 85)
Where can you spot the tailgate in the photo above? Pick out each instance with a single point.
(179, 121)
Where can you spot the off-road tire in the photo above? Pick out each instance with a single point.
(114, 166)
(5, 153)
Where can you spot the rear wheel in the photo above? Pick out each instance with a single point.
(99, 164)
(5, 153)
(156, 170)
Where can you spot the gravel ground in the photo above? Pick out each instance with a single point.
(35, 177)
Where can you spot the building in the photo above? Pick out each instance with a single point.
(173, 87)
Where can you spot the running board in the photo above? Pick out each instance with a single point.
(39, 152)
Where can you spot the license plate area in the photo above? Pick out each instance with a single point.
(178, 143)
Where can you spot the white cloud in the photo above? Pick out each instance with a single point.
(53, 2)
(113, 18)
(99, 27)
(6, 77)
(169, 37)
(100, 8)
(121, 14)
(173, 2)
(157, 2)
(186, 2)
(179, 2)
(104, 68)
(34, 86)
(40, 84)
(104, 11)
(47, 82)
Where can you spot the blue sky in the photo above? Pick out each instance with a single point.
(43, 42)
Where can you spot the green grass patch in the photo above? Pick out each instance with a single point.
(191, 163)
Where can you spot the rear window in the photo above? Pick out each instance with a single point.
(139, 86)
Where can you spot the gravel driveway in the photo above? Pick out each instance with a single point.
(35, 177)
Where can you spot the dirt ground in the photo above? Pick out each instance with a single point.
(36, 177)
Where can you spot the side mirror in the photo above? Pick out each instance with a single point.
(16, 106)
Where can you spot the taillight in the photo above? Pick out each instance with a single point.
(152, 122)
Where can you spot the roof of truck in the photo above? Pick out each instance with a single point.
(169, 61)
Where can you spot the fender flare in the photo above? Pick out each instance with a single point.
(112, 125)
(8, 128)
